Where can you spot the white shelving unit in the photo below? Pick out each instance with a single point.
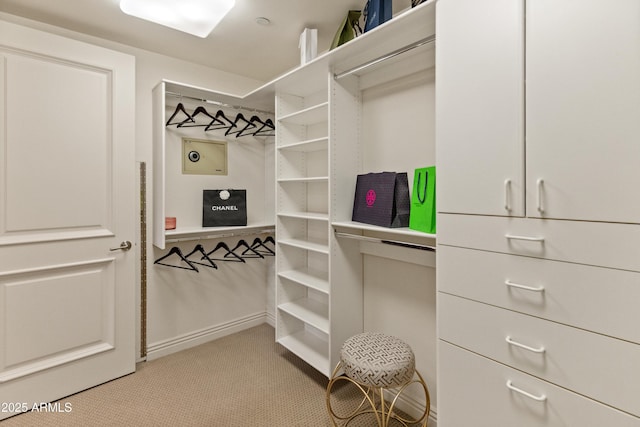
(186, 204)
(319, 278)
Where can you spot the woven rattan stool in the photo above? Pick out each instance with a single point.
(377, 364)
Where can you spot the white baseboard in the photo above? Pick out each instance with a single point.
(192, 339)
(415, 408)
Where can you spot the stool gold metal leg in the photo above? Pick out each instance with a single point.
(382, 410)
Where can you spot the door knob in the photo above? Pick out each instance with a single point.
(124, 246)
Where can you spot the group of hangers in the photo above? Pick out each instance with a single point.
(239, 126)
(199, 256)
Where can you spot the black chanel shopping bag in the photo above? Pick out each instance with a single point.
(382, 199)
(224, 208)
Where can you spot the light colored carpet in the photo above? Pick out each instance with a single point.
(244, 379)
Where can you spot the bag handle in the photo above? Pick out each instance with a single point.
(424, 197)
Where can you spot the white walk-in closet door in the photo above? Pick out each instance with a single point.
(67, 192)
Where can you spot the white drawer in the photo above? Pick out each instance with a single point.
(472, 391)
(603, 368)
(593, 243)
(599, 299)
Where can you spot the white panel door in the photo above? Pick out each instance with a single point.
(583, 110)
(67, 182)
(480, 107)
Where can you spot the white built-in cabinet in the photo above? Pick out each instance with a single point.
(581, 103)
(319, 153)
(538, 262)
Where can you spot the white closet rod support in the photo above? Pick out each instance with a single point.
(386, 241)
(219, 104)
(390, 55)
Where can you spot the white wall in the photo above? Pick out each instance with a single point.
(398, 134)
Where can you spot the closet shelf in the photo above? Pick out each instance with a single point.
(305, 215)
(322, 248)
(311, 312)
(307, 277)
(306, 179)
(307, 146)
(315, 114)
(310, 348)
(197, 233)
(396, 233)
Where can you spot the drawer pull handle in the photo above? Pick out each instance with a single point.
(527, 238)
(526, 347)
(511, 387)
(526, 288)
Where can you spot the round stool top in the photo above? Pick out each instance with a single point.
(377, 360)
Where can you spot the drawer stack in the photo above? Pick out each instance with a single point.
(538, 323)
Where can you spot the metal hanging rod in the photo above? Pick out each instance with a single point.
(386, 241)
(390, 55)
(219, 104)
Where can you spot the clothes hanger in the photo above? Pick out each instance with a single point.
(177, 251)
(179, 109)
(224, 122)
(244, 244)
(198, 111)
(257, 243)
(270, 239)
(199, 248)
(225, 257)
(251, 125)
(239, 117)
(270, 129)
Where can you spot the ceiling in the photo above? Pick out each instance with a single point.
(238, 44)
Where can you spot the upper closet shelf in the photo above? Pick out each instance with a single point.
(407, 28)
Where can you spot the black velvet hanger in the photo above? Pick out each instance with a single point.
(228, 256)
(199, 249)
(250, 127)
(179, 109)
(200, 110)
(248, 248)
(239, 121)
(259, 244)
(267, 129)
(221, 122)
(175, 250)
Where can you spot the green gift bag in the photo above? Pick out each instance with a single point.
(348, 30)
(423, 201)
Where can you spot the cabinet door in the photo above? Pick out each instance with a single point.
(582, 109)
(479, 106)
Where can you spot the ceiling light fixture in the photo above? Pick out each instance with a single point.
(197, 17)
(261, 20)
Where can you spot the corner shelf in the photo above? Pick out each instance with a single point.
(166, 178)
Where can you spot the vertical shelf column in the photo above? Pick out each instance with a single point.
(302, 224)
